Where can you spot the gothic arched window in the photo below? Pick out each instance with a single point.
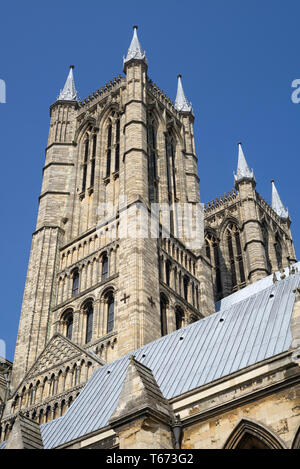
(278, 251)
(93, 161)
(108, 150)
(117, 151)
(104, 273)
(212, 252)
(89, 312)
(163, 314)
(168, 272)
(186, 282)
(152, 167)
(85, 163)
(236, 262)
(68, 320)
(110, 311)
(179, 316)
(75, 282)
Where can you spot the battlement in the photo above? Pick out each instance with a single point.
(101, 92)
(161, 95)
(223, 200)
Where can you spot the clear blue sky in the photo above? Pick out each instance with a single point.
(238, 59)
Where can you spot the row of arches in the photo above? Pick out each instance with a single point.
(179, 254)
(52, 385)
(80, 326)
(88, 149)
(90, 246)
(42, 414)
(171, 318)
(183, 284)
(89, 273)
(227, 259)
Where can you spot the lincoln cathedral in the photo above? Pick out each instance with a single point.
(150, 341)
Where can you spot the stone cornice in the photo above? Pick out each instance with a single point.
(53, 193)
(57, 163)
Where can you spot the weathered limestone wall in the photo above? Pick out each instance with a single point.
(278, 413)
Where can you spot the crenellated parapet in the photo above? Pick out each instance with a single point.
(221, 202)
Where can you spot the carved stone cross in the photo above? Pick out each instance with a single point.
(151, 301)
(125, 298)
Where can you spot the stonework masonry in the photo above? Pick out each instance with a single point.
(92, 294)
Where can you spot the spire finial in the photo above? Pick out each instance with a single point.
(135, 50)
(243, 171)
(181, 103)
(277, 204)
(69, 92)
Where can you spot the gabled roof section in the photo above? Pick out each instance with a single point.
(69, 92)
(243, 171)
(277, 205)
(248, 332)
(58, 350)
(140, 383)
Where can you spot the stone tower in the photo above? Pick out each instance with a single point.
(109, 270)
(246, 239)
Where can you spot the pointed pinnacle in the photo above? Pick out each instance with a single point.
(181, 103)
(243, 170)
(69, 92)
(135, 50)
(277, 204)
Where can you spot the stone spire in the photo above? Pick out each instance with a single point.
(181, 103)
(277, 205)
(135, 50)
(243, 171)
(69, 92)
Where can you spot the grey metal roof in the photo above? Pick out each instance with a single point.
(252, 330)
(2, 445)
(252, 289)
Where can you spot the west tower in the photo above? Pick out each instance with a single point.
(114, 155)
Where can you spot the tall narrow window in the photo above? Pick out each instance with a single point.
(75, 282)
(239, 256)
(152, 171)
(89, 310)
(117, 152)
(186, 287)
(278, 251)
(69, 324)
(104, 274)
(212, 252)
(93, 162)
(168, 169)
(110, 312)
(85, 163)
(235, 254)
(168, 272)
(163, 314)
(108, 151)
(231, 260)
(179, 315)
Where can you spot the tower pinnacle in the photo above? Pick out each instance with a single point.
(135, 50)
(181, 103)
(277, 205)
(69, 92)
(243, 171)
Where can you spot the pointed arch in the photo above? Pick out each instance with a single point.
(88, 122)
(231, 235)
(251, 435)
